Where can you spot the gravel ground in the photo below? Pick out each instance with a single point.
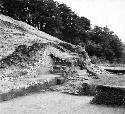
(56, 103)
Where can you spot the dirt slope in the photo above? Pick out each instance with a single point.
(25, 46)
(14, 33)
(24, 50)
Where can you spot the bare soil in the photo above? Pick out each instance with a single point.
(56, 103)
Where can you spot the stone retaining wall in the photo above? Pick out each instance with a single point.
(109, 95)
(38, 85)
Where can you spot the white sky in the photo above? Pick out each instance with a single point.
(101, 13)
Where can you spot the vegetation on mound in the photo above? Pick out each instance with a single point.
(22, 54)
(25, 54)
(60, 21)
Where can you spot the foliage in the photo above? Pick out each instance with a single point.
(104, 43)
(48, 16)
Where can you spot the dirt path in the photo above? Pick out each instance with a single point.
(55, 103)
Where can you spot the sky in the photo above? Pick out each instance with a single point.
(110, 13)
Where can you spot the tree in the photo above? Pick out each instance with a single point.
(110, 46)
